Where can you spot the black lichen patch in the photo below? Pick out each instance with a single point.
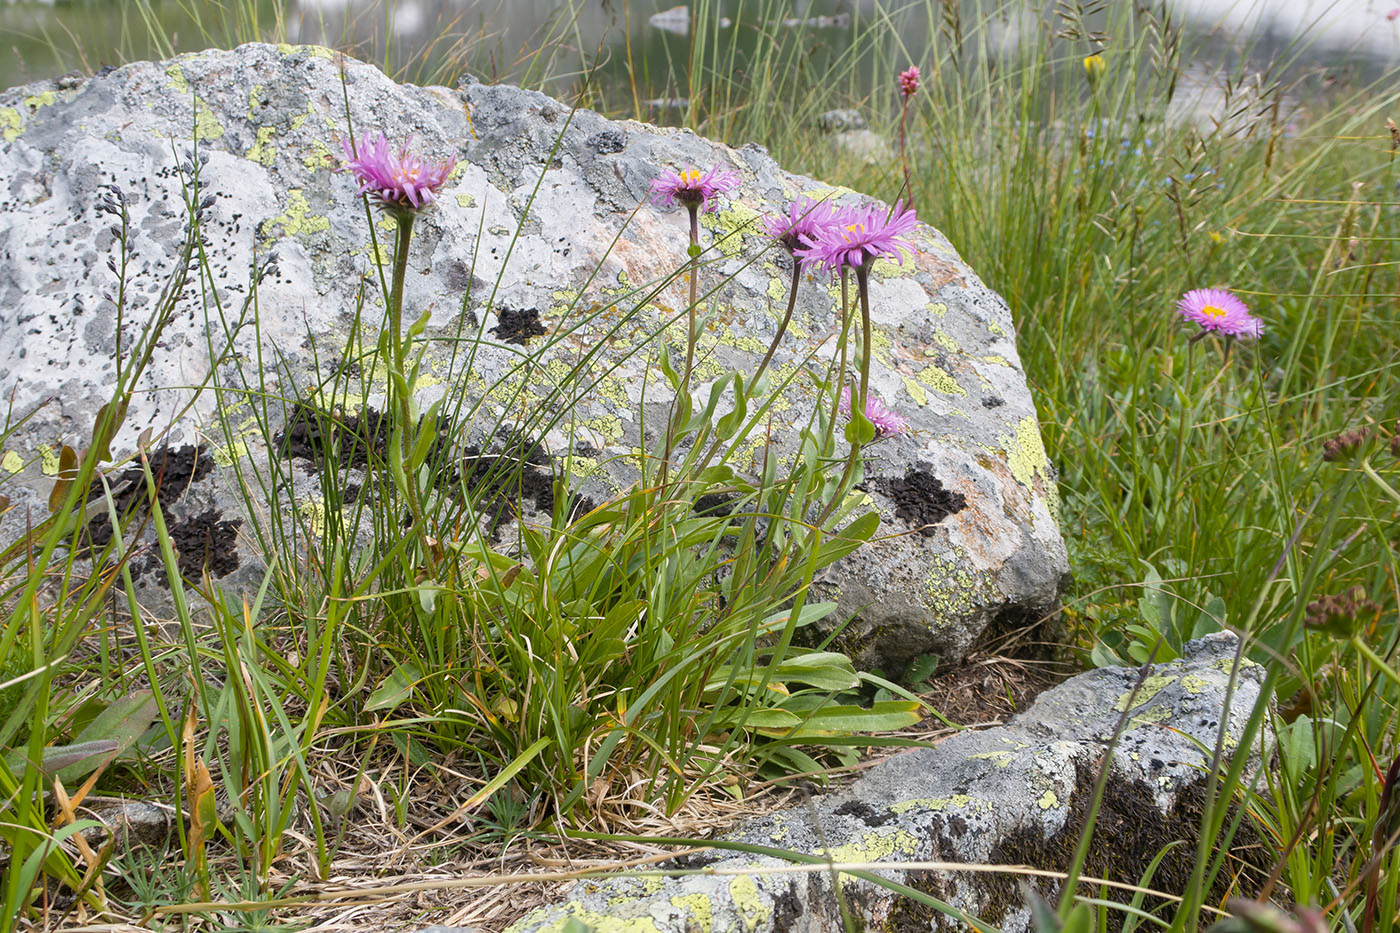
(173, 471)
(920, 498)
(516, 470)
(351, 440)
(517, 326)
(787, 906)
(607, 142)
(864, 812)
(1129, 833)
(203, 542)
(714, 504)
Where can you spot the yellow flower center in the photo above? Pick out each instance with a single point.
(690, 177)
(854, 231)
(1212, 312)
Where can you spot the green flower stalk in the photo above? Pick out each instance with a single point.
(401, 183)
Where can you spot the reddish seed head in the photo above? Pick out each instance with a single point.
(909, 81)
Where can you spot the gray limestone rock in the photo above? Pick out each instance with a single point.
(1012, 795)
(968, 501)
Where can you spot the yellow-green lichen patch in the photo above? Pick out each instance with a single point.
(873, 847)
(262, 151)
(945, 341)
(939, 380)
(35, 101)
(315, 51)
(297, 219)
(996, 360)
(1025, 453)
(1152, 715)
(777, 289)
(1048, 800)
(937, 308)
(1001, 758)
(751, 907)
(319, 157)
(10, 124)
(954, 592)
(255, 100)
(48, 460)
(1149, 689)
(206, 125)
(1228, 664)
(728, 226)
(224, 456)
(466, 200)
(996, 329)
(12, 462)
(960, 801)
(642, 887)
(314, 512)
(1194, 683)
(697, 906)
(606, 428)
(301, 118)
(745, 342)
(596, 922)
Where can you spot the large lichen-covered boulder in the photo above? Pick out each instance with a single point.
(1016, 795)
(538, 244)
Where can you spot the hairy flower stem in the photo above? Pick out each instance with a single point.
(782, 327)
(859, 423)
(673, 428)
(401, 391)
(694, 290)
(903, 157)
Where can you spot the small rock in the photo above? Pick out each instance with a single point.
(840, 121)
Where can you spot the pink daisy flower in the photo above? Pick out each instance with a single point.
(692, 188)
(402, 180)
(855, 235)
(1217, 310)
(805, 218)
(909, 81)
(1393, 15)
(888, 423)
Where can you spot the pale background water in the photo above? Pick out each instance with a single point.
(495, 38)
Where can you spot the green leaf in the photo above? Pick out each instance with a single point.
(668, 369)
(730, 423)
(768, 721)
(122, 722)
(884, 716)
(79, 758)
(847, 539)
(420, 325)
(826, 670)
(860, 431)
(395, 689)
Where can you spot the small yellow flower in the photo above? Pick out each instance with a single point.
(1216, 237)
(1094, 67)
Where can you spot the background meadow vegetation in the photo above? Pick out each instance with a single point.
(1198, 488)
